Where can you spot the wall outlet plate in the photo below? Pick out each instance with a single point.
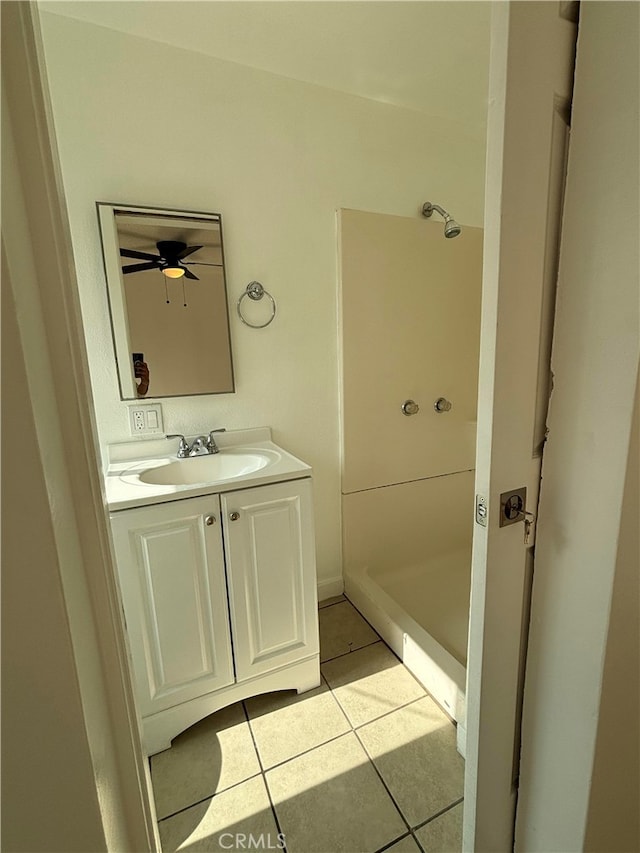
(145, 419)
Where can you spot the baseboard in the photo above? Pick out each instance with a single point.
(330, 588)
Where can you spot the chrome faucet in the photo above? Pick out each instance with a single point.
(202, 445)
(199, 446)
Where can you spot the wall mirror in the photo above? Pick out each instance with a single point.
(168, 301)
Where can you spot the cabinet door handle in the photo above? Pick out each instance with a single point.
(210, 519)
(234, 516)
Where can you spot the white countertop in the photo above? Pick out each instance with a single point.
(127, 460)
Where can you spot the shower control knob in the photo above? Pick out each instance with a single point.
(410, 407)
(442, 405)
(234, 516)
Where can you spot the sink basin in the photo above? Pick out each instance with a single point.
(226, 465)
(142, 473)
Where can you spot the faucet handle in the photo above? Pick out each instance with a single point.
(212, 447)
(183, 447)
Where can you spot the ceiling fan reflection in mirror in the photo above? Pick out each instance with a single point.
(170, 260)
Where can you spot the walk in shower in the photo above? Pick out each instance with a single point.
(410, 331)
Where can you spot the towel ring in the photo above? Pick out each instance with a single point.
(256, 291)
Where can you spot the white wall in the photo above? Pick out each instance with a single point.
(615, 786)
(146, 123)
(410, 329)
(583, 528)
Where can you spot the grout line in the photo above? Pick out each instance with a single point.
(388, 713)
(438, 814)
(417, 841)
(311, 749)
(339, 706)
(386, 787)
(281, 834)
(208, 797)
(379, 717)
(395, 841)
(351, 729)
(253, 738)
(351, 651)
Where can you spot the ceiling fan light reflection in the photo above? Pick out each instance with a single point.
(173, 272)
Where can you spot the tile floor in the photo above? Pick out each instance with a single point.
(366, 762)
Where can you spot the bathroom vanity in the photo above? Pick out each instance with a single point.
(216, 561)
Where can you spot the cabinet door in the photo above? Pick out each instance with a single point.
(271, 573)
(171, 568)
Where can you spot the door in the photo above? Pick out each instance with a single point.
(171, 566)
(580, 768)
(271, 572)
(532, 52)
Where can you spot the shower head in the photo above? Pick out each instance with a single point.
(451, 227)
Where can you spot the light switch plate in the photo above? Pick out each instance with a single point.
(145, 419)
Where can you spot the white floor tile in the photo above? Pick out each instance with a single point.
(224, 822)
(415, 751)
(286, 724)
(371, 682)
(212, 755)
(331, 799)
(444, 833)
(342, 630)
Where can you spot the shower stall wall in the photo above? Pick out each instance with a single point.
(410, 325)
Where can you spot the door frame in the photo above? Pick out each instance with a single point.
(530, 79)
(51, 332)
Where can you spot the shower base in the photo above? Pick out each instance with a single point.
(422, 613)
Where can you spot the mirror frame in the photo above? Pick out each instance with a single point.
(116, 298)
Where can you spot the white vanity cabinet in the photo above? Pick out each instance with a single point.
(219, 594)
(172, 576)
(272, 592)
